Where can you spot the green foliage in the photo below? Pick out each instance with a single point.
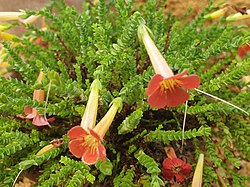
(124, 178)
(167, 136)
(69, 168)
(131, 122)
(101, 42)
(152, 167)
(15, 141)
(104, 167)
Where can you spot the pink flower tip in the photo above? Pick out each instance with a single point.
(244, 49)
(175, 169)
(170, 92)
(86, 145)
(32, 113)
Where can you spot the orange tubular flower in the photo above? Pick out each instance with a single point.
(165, 89)
(32, 113)
(87, 145)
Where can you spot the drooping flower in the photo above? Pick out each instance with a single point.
(175, 169)
(243, 50)
(165, 89)
(79, 134)
(32, 113)
(87, 145)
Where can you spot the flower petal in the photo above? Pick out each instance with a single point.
(158, 99)
(90, 157)
(30, 116)
(77, 132)
(168, 164)
(167, 174)
(186, 168)
(93, 133)
(39, 121)
(177, 76)
(154, 84)
(190, 82)
(21, 116)
(242, 50)
(76, 148)
(51, 119)
(102, 152)
(177, 97)
(27, 110)
(179, 177)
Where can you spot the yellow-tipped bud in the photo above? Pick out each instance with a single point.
(216, 14)
(7, 37)
(238, 16)
(197, 179)
(102, 127)
(45, 149)
(5, 26)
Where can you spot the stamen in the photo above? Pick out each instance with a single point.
(169, 85)
(91, 143)
(177, 169)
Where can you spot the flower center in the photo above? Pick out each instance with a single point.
(91, 142)
(177, 169)
(169, 85)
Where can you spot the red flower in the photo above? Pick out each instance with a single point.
(32, 113)
(169, 92)
(175, 169)
(242, 50)
(164, 89)
(86, 145)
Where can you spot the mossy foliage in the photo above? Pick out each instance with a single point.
(101, 42)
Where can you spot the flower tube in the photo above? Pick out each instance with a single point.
(77, 133)
(238, 16)
(197, 179)
(30, 19)
(9, 16)
(87, 145)
(32, 113)
(165, 89)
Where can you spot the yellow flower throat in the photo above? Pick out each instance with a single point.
(91, 142)
(169, 85)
